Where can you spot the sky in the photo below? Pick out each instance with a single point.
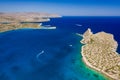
(64, 7)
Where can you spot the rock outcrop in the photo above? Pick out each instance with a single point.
(99, 53)
(12, 21)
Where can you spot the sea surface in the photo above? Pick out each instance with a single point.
(52, 54)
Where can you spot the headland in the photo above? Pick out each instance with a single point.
(99, 53)
(13, 21)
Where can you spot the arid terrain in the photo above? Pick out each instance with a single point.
(99, 53)
(11, 21)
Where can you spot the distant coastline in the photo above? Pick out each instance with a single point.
(13, 21)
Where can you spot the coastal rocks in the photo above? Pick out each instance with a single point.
(13, 21)
(86, 36)
(99, 53)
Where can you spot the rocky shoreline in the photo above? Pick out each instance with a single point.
(99, 53)
(13, 21)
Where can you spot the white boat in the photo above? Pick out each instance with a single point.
(70, 45)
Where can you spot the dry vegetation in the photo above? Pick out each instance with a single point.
(11, 21)
(99, 52)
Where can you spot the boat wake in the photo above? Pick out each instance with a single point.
(78, 25)
(48, 27)
(79, 34)
(37, 56)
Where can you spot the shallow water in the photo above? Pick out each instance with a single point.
(61, 59)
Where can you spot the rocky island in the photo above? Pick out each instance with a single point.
(12, 21)
(99, 53)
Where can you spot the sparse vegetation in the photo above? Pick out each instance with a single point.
(12, 21)
(99, 52)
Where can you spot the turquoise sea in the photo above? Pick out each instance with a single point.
(43, 54)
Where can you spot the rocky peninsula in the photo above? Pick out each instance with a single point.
(12, 21)
(99, 53)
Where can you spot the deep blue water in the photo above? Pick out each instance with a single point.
(60, 61)
(97, 24)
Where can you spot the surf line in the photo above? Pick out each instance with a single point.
(37, 56)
